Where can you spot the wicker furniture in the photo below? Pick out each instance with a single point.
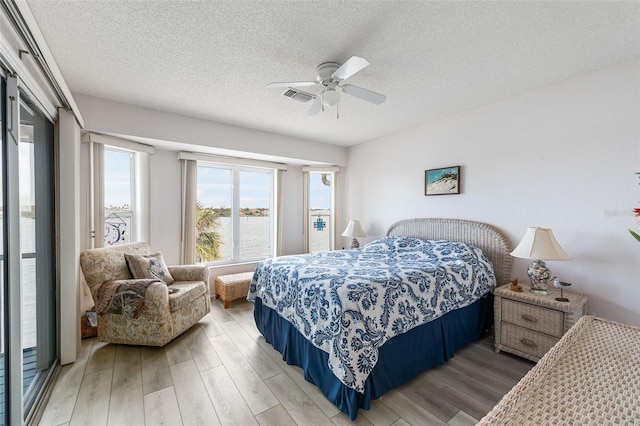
(233, 286)
(529, 324)
(164, 316)
(591, 377)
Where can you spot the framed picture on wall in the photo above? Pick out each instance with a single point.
(442, 181)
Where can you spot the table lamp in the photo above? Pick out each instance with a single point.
(539, 244)
(354, 230)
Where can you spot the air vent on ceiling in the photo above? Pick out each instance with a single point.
(298, 95)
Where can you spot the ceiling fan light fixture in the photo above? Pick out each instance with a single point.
(330, 97)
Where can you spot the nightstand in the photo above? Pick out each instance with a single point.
(529, 324)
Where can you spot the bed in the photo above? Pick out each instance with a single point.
(361, 322)
(590, 377)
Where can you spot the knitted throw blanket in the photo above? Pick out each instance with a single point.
(123, 297)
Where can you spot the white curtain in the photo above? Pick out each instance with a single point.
(97, 149)
(189, 198)
(280, 212)
(305, 210)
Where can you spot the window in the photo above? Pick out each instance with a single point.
(119, 196)
(320, 200)
(234, 213)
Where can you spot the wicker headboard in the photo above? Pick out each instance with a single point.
(486, 237)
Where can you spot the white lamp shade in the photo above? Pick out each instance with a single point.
(354, 230)
(539, 243)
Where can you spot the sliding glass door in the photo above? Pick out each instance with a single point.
(27, 253)
(3, 298)
(37, 249)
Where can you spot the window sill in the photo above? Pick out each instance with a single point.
(230, 268)
(215, 266)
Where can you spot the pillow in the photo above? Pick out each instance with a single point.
(148, 266)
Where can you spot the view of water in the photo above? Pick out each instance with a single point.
(254, 236)
(27, 242)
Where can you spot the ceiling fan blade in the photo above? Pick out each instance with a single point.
(353, 65)
(316, 106)
(364, 94)
(292, 84)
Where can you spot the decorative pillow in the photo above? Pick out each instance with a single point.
(148, 266)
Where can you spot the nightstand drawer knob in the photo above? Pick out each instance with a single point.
(528, 342)
(529, 318)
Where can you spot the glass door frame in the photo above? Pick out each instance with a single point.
(16, 404)
(39, 288)
(12, 257)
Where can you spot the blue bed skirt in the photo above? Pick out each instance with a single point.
(400, 359)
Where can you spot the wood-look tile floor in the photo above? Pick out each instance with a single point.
(223, 372)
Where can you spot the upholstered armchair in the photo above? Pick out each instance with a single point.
(168, 309)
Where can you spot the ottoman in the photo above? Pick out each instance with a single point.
(233, 286)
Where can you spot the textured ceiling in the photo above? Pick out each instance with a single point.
(213, 60)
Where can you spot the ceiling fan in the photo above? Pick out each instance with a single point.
(330, 77)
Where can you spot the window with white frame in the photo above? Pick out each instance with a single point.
(119, 190)
(119, 196)
(235, 218)
(320, 208)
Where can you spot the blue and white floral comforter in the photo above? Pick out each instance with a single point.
(349, 302)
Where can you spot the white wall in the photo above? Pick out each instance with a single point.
(111, 117)
(563, 156)
(164, 216)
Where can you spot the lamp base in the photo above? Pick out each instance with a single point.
(542, 292)
(354, 244)
(539, 276)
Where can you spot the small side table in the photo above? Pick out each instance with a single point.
(529, 324)
(233, 286)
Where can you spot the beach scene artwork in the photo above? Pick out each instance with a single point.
(442, 181)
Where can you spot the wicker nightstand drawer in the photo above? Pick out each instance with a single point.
(528, 324)
(525, 340)
(533, 317)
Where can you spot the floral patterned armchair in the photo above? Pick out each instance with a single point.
(168, 309)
